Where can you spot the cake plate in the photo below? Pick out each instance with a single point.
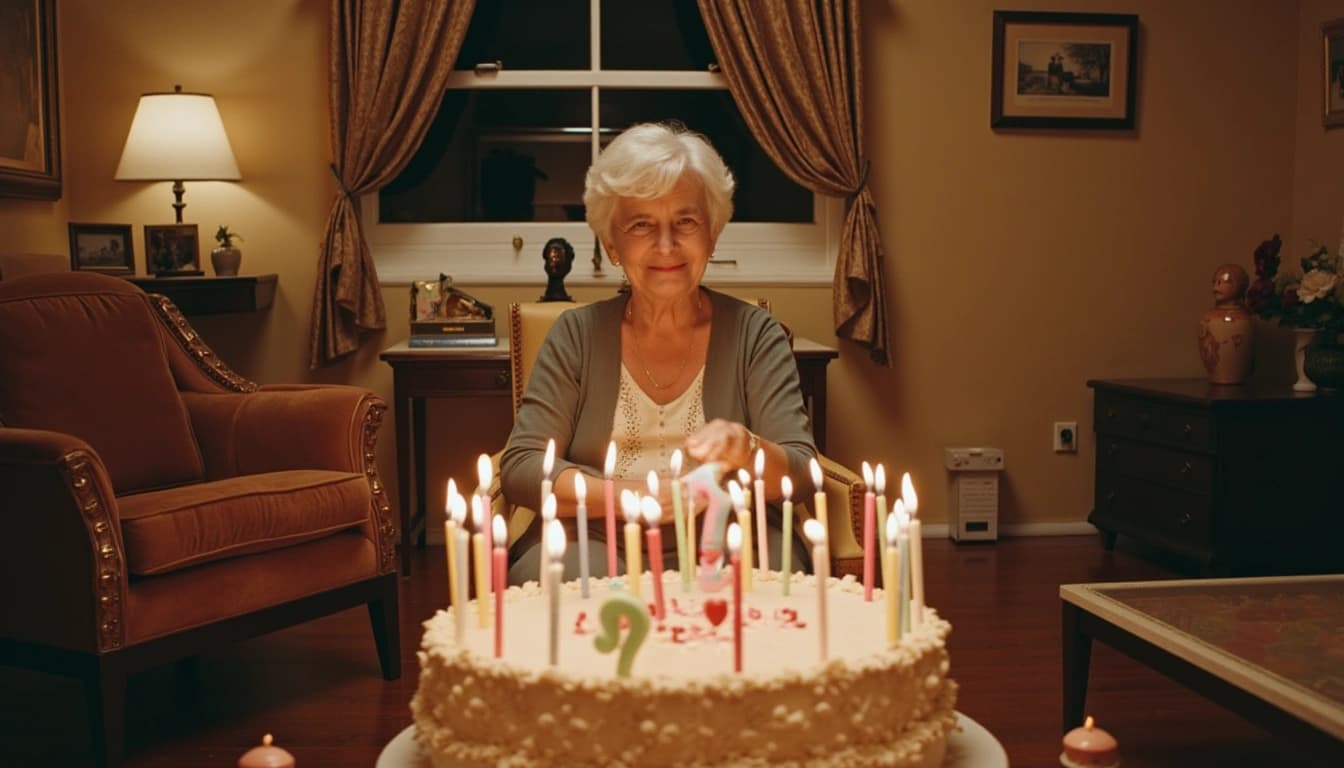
(968, 746)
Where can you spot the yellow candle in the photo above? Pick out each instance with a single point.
(819, 504)
(482, 563)
(457, 517)
(744, 522)
(634, 566)
(880, 485)
(916, 550)
(891, 565)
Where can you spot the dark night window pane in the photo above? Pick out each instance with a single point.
(654, 35)
(528, 34)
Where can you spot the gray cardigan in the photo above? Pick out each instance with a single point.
(750, 378)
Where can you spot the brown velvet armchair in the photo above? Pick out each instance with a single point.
(158, 504)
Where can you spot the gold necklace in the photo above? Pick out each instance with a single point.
(634, 345)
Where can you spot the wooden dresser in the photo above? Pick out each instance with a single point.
(1240, 479)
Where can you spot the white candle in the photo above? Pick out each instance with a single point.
(903, 573)
(581, 522)
(547, 464)
(739, 498)
(609, 486)
(816, 533)
(548, 510)
(555, 544)
(463, 567)
(484, 474)
(759, 487)
(819, 504)
(869, 542)
(916, 551)
(634, 566)
(891, 565)
(684, 546)
(786, 551)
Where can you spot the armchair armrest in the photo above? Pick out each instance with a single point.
(844, 507)
(281, 427)
(61, 515)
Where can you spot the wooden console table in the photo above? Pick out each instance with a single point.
(213, 295)
(420, 373)
(1235, 478)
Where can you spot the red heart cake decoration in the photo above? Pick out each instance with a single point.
(716, 611)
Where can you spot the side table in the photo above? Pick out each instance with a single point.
(418, 373)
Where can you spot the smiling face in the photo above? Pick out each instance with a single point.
(664, 244)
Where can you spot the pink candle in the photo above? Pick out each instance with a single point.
(735, 558)
(869, 534)
(653, 516)
(500, 557)
(1089, 747)
(609, 486)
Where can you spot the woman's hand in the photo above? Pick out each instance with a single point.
(722, 440)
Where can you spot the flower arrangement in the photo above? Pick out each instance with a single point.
(1312, 299)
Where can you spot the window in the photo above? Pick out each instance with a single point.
(531, 103)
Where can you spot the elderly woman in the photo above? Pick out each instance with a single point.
(672, 365)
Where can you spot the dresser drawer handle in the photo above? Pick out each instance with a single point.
(502, 379)
(1186, 469)
(1187, 430)
(1184, 519)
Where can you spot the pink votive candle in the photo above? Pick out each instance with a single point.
(1089, 747)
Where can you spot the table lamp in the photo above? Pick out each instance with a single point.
(177, 137)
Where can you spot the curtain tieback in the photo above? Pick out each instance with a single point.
(863, 181)
(351, 197)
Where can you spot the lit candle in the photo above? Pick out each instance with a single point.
(463, 577)
(266, 756)
(903, 571)
(653, 517)
(547, 464)
(869, 520)
(739, 497)
(684, 546)
(1089, 747)
(786, 551)
(609, 486)
(735, 559)
(501, 563)
(819, 505)
(457, 515)
(483, 476)
(555, 544)
(548, 510)
(891, 564)
(744, 480)
(581, 522)
(634, 565)
(480, 553)
(759, 487)
(916, 551)
(880, 481)
(816, 533)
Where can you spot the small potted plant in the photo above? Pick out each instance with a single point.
(226, 257)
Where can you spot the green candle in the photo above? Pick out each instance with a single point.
(617, 606)
(786, 552)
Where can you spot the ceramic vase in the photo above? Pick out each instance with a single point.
(1323, 362)
(1302, 338)
(226, 260)
(1225, 344)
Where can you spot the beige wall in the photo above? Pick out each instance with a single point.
(1018, 264)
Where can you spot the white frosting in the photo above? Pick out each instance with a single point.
(868, 704)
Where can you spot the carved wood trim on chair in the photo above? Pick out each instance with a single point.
(196, 349)
(77, 468)
(387, 531)
(516, 354)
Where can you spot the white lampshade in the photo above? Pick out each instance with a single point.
(177, 137)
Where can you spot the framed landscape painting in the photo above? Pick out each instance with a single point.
(30, 150)
(1332, 34)
(1067, 71)
(102, 248)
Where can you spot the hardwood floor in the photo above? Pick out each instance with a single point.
(318, 689)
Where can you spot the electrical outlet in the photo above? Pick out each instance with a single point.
(1066, 437)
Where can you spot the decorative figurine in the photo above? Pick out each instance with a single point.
(1226, 330)
(558, 257)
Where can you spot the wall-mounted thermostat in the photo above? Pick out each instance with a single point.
(973, 492)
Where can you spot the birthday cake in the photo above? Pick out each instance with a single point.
(867, 704)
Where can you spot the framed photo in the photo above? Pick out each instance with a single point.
(1067, 71)
(1332, 33)
(102, 248)
(30, 148)
(172, 250)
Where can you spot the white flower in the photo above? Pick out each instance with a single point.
(1316, 284)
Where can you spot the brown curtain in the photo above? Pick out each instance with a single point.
(389, 62)
(794, 70)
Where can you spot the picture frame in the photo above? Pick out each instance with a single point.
(1064, 71)
(172, 250)
(1332, 40)
(105, 248)
(30, 135)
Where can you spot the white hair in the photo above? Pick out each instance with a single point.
(645, 162)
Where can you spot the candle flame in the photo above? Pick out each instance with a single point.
(548, 462)
(815, 467)
(555, 540)
(652, 483)
(483, 471)
(744, 478)
(448, 496)
(549, 507)
(814, 531)
(880, 479)
(652, 511)
(477, 514)
(868, 475)
(609, 466)
(1088, 723)
(457, 507)
(735, 492)
(630, 506)
(580, 487)
(786, 487)
(908, 493)
(734, 539)
(267, 740)
(898, 513)
(893, 527)
(676, 462)
(760, 462)
(500, 530)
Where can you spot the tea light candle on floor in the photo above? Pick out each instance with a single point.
(1089, 747)
(266, 756)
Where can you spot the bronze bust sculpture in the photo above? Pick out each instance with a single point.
(558, 258)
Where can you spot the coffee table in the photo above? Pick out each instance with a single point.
(1270, 649)
(968, 746)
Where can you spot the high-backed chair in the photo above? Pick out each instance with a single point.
(528, 326)
(157, 504)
